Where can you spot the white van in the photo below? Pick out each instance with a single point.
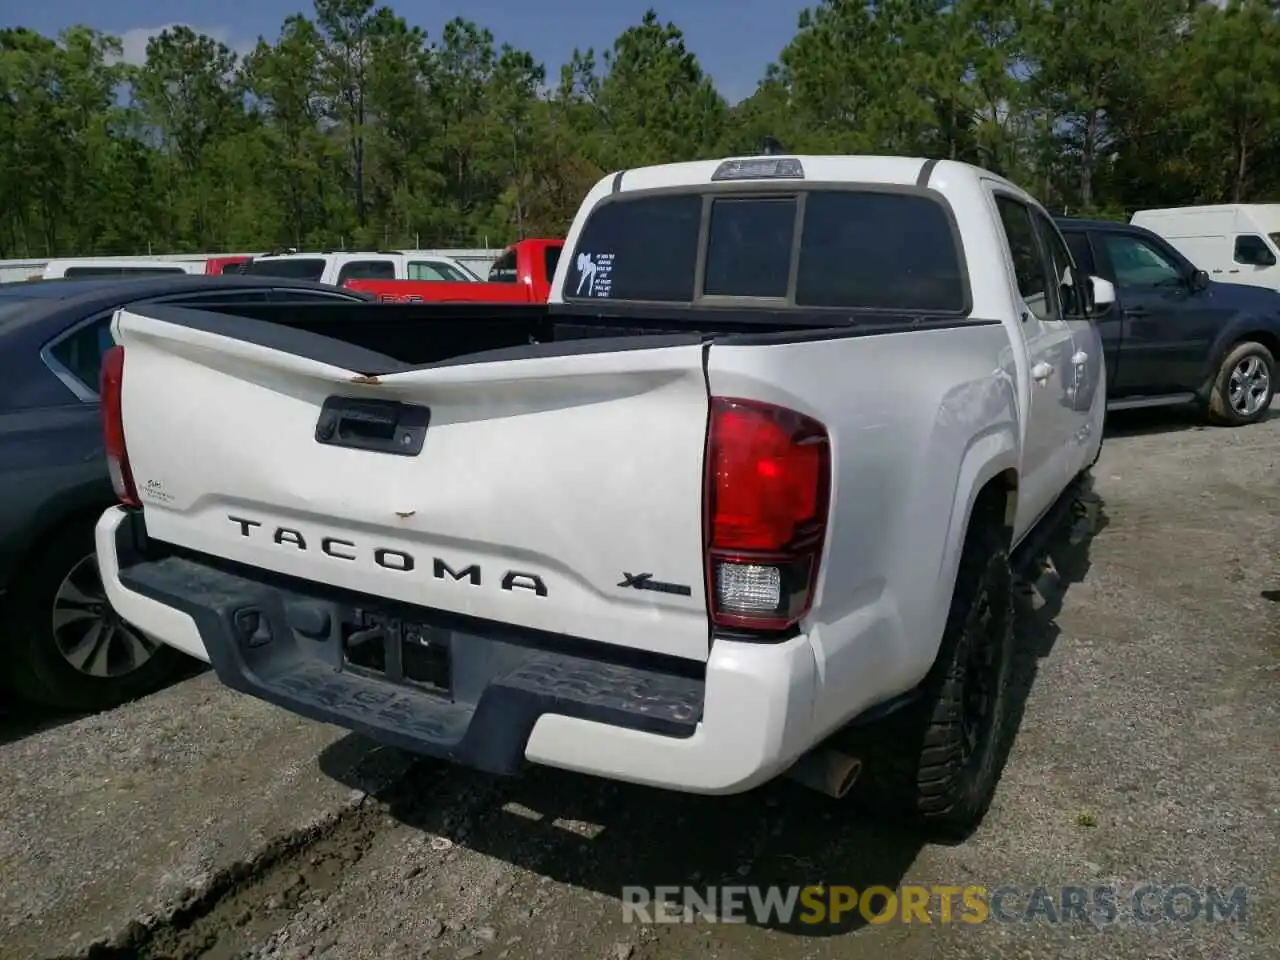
(111, 267)
(1233, 242)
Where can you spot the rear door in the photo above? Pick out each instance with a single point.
(1107, 323)
(1085, 374)
(1051, 419)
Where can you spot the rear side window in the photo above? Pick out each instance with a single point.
(438, 272)
(367, 270)
(642, 248)
(295, 268)
(892, 251)
(1029, 267)
(452, 273)
(1066, 280)
(504, 268)
(80, 353)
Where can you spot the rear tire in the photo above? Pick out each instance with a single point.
(1244, 386)
(50, 613)
(936, 763)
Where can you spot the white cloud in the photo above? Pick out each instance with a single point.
(134, 42)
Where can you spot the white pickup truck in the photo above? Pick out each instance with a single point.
(338, 268)
(739, 501)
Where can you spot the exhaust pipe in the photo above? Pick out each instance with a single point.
(827, 771)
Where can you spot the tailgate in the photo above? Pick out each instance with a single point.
(541, 483)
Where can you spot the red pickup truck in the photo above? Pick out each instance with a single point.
(522, 274)
(221, 265)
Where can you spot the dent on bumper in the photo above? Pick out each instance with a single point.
(756, 718)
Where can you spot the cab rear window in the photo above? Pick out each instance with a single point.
(858, 249)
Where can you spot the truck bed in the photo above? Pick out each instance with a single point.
(406, 335)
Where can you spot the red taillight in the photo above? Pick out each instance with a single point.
(768, 477)
(110, 393)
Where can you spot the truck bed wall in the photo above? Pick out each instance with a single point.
(386, 337)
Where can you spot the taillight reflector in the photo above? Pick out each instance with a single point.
(110, 397)
(768, 477)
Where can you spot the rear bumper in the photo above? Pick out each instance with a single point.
(515, 697)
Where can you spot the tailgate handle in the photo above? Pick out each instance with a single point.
(381, 426)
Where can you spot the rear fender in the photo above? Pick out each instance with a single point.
(991, 453)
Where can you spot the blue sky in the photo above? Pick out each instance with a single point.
(734, 39)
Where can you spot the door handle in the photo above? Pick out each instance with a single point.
(1137, 312)
(1041, 372)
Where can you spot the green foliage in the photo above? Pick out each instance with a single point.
(354, 128)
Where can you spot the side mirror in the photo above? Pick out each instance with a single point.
(1199, 281)
(1104, 294)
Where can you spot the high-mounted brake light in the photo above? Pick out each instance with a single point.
(760, 168)
(110, 398)
(768, 478)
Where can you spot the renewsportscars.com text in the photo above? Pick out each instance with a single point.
(1098, 905)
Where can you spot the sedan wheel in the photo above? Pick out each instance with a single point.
(89, 634)
(63, 644)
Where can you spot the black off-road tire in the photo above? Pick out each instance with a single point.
(923, 764)
(36, 670)
(1221, 412)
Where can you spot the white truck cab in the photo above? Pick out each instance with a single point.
(1233, 242)
(338, 268)
(738, 501)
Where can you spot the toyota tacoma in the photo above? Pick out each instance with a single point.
(738, 501)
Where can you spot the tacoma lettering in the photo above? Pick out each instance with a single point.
(388, 558)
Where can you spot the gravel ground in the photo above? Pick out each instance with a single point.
(1145, 753)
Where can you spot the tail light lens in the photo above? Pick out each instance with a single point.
(768, 479)
(110, 396)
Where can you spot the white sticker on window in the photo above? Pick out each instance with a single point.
(594, 274)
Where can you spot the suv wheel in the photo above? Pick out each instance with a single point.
(1244, 386)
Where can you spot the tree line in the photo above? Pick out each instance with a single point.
(354, 128)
